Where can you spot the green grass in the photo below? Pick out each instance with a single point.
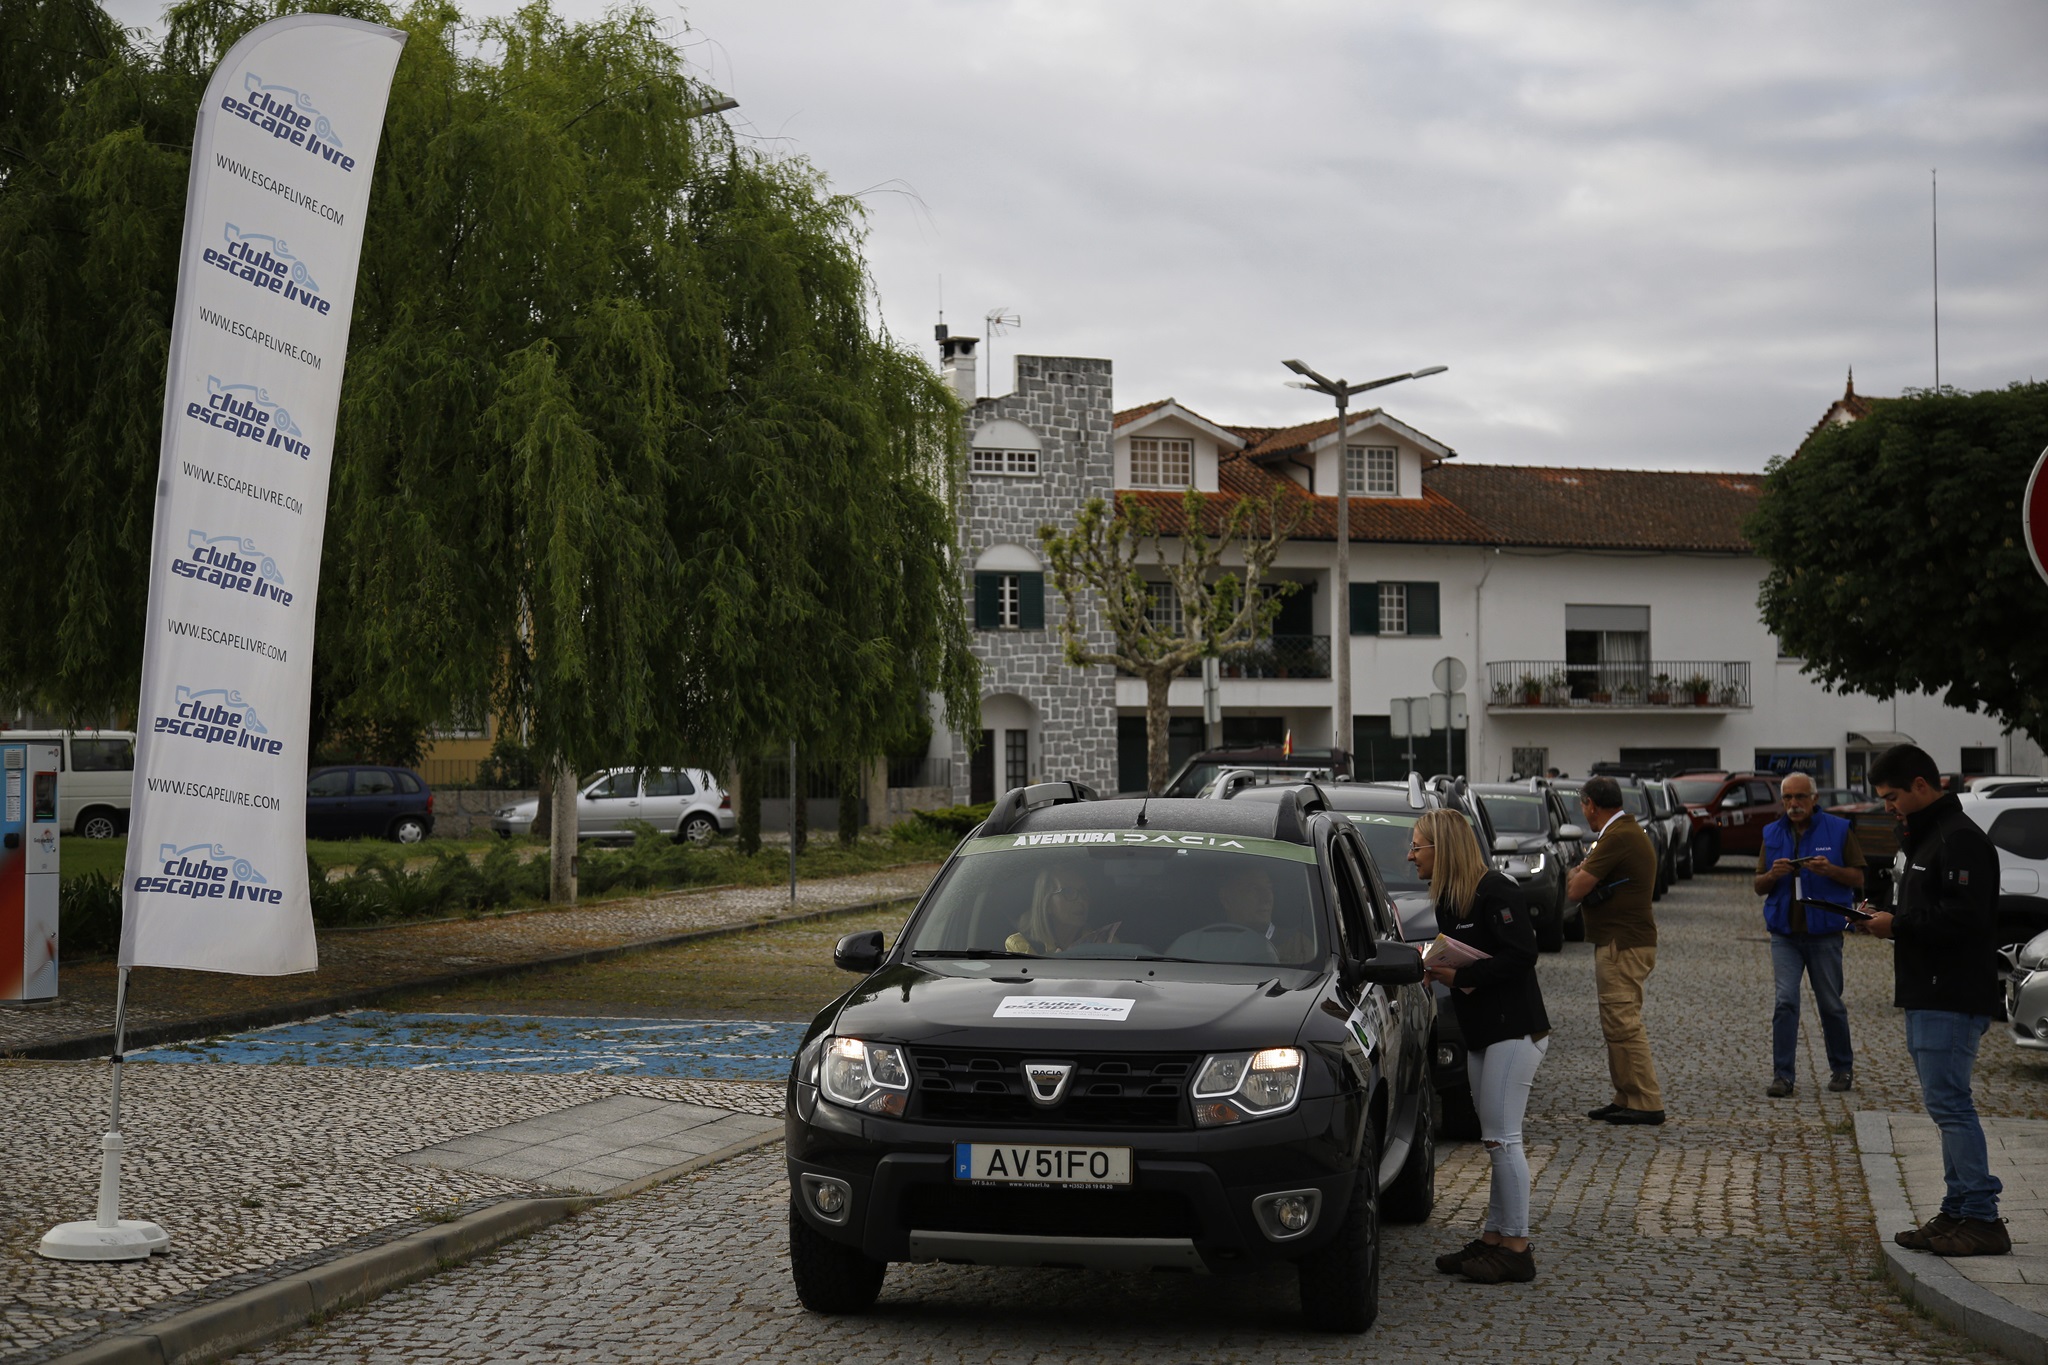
(80, 857)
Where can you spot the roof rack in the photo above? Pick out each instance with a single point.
(1018, 800)
(1291, 821)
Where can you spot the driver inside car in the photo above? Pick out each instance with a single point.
(1061, 899)
(1246, 893)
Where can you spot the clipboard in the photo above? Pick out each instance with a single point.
(1829, 907)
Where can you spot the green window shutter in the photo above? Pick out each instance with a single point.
(1365, 608)
(1031, 601)
(988, 600)
(1424, 615)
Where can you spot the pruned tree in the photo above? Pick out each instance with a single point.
(1218, 610)
(1898, 562)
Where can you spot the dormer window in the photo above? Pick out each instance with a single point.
(1162, 462)
(1372, 471)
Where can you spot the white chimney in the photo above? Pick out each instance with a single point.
(956, 363)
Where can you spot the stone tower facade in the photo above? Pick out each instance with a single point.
(1067, 714)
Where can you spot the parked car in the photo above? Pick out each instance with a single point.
(1670, 812)
(2018, 827)
(1198, 772)
(1384, 814)
(2026, 991)
(1536, 844)
(1635, 799)
(1170, 1095)
(685, 803)
(368, 802)
(96, 778)
(1729, 812)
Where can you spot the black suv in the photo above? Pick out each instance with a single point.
(1122, 1035)
(1536, 842)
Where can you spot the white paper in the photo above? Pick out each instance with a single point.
(281, 160)
(1064, 1007)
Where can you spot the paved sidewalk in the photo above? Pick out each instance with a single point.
(1999, 1300)
(164, 1004)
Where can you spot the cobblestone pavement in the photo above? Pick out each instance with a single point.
(257, 1171)
(1738, 1231)
(355, 960)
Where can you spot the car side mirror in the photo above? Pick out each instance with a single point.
(1506, 843)
(861, 952)
(1570, 832)
(1392, 964)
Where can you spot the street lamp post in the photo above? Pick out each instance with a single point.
(1340, 608)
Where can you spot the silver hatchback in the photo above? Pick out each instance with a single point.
(686, 803)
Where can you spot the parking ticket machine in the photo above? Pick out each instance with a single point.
(28, 871)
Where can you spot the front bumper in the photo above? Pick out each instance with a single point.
(2026, 1007)
(506, 828)
(1190, 1205)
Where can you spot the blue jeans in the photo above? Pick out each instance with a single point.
(1820, 959)
(1944, 1048)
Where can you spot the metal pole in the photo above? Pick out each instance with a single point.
(1340, 610)
(794, 797)
(111, 1145)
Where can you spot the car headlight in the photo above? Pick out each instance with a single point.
(871, 1077)
(1520, 864)
(1233, 1086)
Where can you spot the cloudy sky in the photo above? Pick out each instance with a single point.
(1639, 234)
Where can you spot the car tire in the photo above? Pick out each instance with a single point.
(1412, 1196)
(98, 823)
(1685, 868)
(830, 1276)
(1706, 851)
(408, 829)
(1340, 1282)
(1550, 930)
(697, 828)
(1575, 927)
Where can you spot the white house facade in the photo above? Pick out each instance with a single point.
(1599, 614)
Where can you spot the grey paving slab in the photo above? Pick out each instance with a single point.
(597, 1147)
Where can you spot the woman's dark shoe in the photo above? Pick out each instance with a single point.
(1498, 1265)
(1451, 1262)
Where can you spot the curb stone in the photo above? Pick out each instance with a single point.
(256, 1317)
(1927, 1280)
(91, 1046)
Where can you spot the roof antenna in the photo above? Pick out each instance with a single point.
(1141, 809)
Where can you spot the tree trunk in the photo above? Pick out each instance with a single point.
(1158, 754)
(851, 788)
(544, 809)
(562, 838)
(799, 813)
(749, 819)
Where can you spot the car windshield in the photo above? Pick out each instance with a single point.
(1143, 894)
(1387, 836)
(1514, 814)
(1698, 793)
(1193, 779)
(1634, 802)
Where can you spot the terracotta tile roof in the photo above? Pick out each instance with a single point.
(1850, 407)
(1608, 509)
(1431, 519)
(1129, 415)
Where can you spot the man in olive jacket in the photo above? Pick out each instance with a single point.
(1614, 887)
(1944, 933)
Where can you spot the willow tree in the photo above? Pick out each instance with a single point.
(1219, 610)
(621, 454)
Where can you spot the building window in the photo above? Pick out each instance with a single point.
(1163, 610)
(1162, 462)
(1009, 601)
(1393, 608)
(1372, 471)
(1016, 758)
(1016, 462)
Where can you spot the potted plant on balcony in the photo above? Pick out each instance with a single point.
(1557, 689)
(1600, 696)
(1501, 693)
(1699, 686)
(1532, 690)
(1628, 691)
(1729, 695)
(1660, 690)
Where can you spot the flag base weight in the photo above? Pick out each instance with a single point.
(130, 1239)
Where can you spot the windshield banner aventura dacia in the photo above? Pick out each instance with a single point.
(281, 160)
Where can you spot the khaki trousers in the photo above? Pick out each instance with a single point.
(1618, 976)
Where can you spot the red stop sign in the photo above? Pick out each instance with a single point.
(2034, 515)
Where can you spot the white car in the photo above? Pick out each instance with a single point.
(2018, 827)
(2026, 991)
(687, 803)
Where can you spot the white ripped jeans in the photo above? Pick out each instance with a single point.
(1501, 1076)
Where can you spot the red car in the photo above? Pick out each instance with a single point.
(1729, 812)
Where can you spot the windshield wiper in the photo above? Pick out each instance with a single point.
(967, 952)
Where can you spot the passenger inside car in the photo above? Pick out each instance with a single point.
(1062, 898)
(1246, 894)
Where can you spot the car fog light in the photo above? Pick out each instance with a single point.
(1292, 1212)
(1446, 1056)
(2041, 1026)
(830, 1199)
(1287, 1214)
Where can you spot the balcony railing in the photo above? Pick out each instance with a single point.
(1717, 684)
(1278, 656)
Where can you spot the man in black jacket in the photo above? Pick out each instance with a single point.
(1943, 927)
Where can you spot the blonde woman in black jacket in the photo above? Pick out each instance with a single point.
(1500, 1011)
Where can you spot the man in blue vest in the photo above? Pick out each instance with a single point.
(1810, 860)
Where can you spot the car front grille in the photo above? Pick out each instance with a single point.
(1108, 1090)
(1049, 1213)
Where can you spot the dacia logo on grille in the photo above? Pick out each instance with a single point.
(1046, 1082)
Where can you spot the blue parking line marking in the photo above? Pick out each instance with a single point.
(696, 1049)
